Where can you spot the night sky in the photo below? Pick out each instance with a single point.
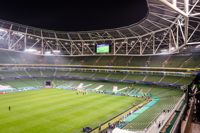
(73, 15)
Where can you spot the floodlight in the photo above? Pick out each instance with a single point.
(30, 50)
(164, 50)
(30, 37)
(2, 30)
(48, 53)
(56, 51)
(172, 48)
(17, 33)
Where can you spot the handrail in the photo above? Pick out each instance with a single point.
(158, 70)
(174, 128)
(92, 66)
(172, 112)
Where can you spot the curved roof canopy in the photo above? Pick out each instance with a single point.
(158, 17)
(169, 24)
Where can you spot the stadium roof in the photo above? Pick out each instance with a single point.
(158, 17)
(169, 24)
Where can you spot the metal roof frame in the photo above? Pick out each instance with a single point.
(169, 25)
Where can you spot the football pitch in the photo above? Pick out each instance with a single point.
(58, 111)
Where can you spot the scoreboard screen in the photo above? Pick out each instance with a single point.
(103, 48)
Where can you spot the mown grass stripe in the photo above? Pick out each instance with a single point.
(57, 111)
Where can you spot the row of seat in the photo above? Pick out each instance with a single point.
(116, 76)
(182, 61)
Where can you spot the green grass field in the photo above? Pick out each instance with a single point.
(58, 111)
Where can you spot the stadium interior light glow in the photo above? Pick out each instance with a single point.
(2, 30)
(164, 50)
(48, 53)
(30, 50)
(17, 33)
(56, 51)
(172, 48)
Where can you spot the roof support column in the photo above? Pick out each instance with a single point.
(186, 4)
(42, 43)
(174, 6)
(174, 2)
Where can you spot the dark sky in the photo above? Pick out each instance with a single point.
(73, 15)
